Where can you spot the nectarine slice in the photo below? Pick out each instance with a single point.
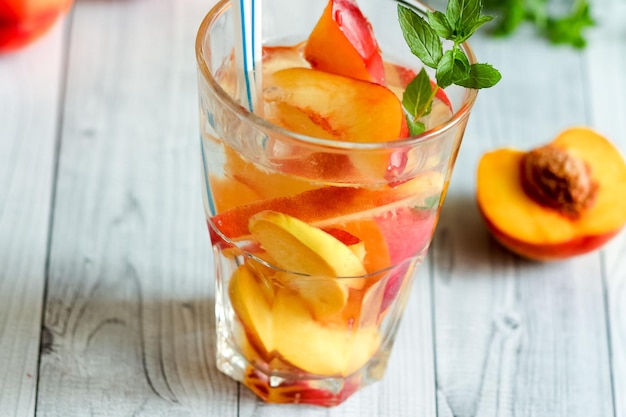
(315, 348)
(343, 43)
(228, 193)
(345, 108)
(301, 248)
(329, 205)
(536, 231)
(252, 308)
(264, 183)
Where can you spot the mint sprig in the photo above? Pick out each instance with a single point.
(424, 38)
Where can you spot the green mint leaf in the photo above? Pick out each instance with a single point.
(424, 38)
(464, 17)
(469, 30)
(415, 127)
(421, 38)
(439, 22)
(461, 14)
(453, 67)
(481, 76)
(417, 98)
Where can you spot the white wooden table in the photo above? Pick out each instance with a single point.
(106, 296)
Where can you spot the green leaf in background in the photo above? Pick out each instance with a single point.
(566, 29)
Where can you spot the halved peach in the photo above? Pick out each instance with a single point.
(23, 21)
(536, 231)
(343, 43)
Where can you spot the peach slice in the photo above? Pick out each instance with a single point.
(535, 230)
(252, 307)
(264, 183)
(343, 43)
(331, 106)
(315, 348)
(229, 193)
(329, 205)
(324, 296)
(301, 248)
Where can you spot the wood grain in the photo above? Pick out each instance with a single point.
(128, 327)
(607, 90)
(29, 104)
(515, 337)
(128, 316)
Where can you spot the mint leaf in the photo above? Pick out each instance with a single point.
(417, 99)
(415, 127)
(481, 76)
(453, 67)
(421, 38)
(440, 24)
(462, 13)
(424, 38)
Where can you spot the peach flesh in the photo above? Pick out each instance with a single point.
(538, 232)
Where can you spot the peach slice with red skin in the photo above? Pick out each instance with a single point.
(536, 231)
(330, 106)
(343, 43)
(324, 204)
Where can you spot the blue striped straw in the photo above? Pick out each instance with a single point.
(247, 15)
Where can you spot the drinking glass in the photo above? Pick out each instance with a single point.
(288, 214)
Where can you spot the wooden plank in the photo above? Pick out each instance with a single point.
(128, 318)
(29, 114)
(605, 58)
(515, 337)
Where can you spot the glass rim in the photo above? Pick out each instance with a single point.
(222, 6)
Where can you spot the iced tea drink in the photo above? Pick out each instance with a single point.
(321, 206)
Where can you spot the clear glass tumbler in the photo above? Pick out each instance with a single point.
(315, 240)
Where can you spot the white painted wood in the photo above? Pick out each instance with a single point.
(29, 115)
(128, 309)
(606, 58)
(129, 316)
(515, 337)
